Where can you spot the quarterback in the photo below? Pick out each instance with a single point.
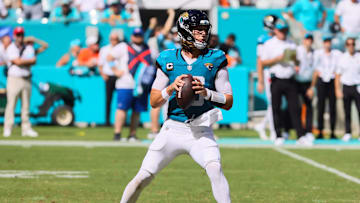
(188, 131)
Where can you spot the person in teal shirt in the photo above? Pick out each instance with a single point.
(115, 14)
(65, 13)
(310, 13)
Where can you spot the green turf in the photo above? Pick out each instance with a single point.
(254, 175)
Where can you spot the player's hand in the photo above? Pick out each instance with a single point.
(177, 83)
(260, 87)
(339, 94)
(310, 93)
(199, 87)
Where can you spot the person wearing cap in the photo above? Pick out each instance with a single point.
(88, 56)
(305, 55)
(107, 73)
(348, 74)
(20, 58)
(131, 64)
(65, 13)
(115, 14)
(279, 54)
(308, 13)
(72, 54)
(325, 63)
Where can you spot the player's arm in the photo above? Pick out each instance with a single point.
(273, 61)
(221, 97)
(161, 91)
(260, 71)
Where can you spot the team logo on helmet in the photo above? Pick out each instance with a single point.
(209, 66)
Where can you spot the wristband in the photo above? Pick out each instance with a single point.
(216, 97)
(164, 94)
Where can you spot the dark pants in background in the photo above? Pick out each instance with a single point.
(302, 87)
(326, 90)
(287, 88)
(350, 94)
(110, 88)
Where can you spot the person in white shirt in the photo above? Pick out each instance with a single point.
(107, 73)
(20, 58)
(89, 5)
(348, 74)
(279, 54)
(347, 15)
(305, 55)
(325, 62)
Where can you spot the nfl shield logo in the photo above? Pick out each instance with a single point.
(189, 68)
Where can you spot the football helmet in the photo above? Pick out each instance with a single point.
(269, 22)
(187, 22)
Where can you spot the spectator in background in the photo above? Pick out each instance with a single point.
(89, 5)
(325, 63)
(3, 10)
(305, 55)
(20, 59)
(308, 13)
(32, 9)
(348, 74)
(114, 14)
(71, 55)
(231, 51)
(88, 56)
(247, 2)
(107, 73)
(65, 13)
(347, 15)
(214, 41)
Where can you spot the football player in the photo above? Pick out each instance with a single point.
(188, 131)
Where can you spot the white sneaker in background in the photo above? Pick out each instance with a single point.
(133, 139)
(279, 141)
(29, 133)
(347, 137)
(7, 133)
(285, 135)
(310, 137)
(151, 136)
(273, 136)
(304, 141)
(261, 131)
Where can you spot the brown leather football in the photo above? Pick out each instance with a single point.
(186, 95)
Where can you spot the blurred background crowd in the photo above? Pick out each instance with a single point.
(150, 25)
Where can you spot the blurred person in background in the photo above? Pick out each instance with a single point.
(278, 54)
(347, 15)
(264, 78)
(89, 5)
(88, 56)
(20, 58)
(231, 50)
(247, 2)
(115, 13)
(348, 74)
(305, 55)
(308, 13)
(32, 9)
(325, 63)
(107, 73)
(3, 10)
(71, 55)
(156, 45)
(214, 41)
(65, 13)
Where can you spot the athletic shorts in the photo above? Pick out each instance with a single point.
(176, 138)
(126, 101)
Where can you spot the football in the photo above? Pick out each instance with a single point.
(186, 95)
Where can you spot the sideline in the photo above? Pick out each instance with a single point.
(318, 165)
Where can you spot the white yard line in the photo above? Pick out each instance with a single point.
(37, 174)
(318, 165)
(90, 144)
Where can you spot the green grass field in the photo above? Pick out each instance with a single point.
(254, 175)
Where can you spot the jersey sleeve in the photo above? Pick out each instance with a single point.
(221, 60)
(161, 80)
(162, 62)
(222, 82)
